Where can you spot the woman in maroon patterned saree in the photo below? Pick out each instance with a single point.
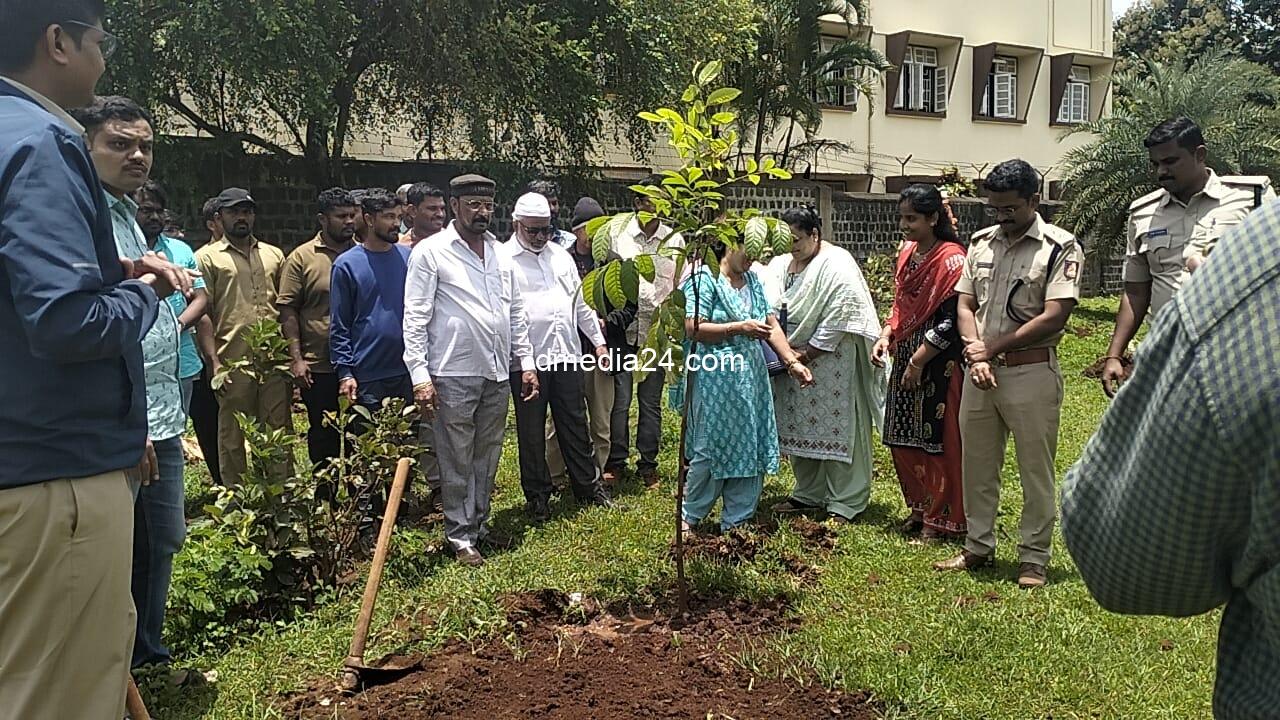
(921, 424)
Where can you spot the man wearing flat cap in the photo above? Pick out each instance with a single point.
(241, 275)
(465, 328)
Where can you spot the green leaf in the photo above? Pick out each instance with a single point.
(723, 118)
(646, 268)
(709, 72)
(630, 280)
(780, 236)
(754, 236)
(723, 95)
(651, 117)
(670, 115)
(590, 284)
(613, 284)
(690, 93)
(751, 165)
(693, 173)
(709, 259)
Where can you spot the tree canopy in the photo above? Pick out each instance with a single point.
(1179, 31)
(524, 82)
(1235, 103)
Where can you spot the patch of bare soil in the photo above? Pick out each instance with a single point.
(570, 659)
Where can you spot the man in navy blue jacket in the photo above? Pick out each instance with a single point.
(72, 318)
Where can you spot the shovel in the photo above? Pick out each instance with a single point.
(133, 704)
(354, 671)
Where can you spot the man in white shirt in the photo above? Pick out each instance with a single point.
(645, 238)
(464, 327)
(548, 282)
(550, 189)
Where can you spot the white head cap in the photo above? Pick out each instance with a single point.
(403, 189)
(531, 205)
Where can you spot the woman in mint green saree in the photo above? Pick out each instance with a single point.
(832, 324)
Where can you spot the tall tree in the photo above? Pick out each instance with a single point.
(1180, 31)
(789, 69)
(1235, 102)
(521, 81)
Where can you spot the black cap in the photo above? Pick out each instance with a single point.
(586, 210)
(233, 196)
(472, 185)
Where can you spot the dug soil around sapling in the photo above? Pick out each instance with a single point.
(568, 658)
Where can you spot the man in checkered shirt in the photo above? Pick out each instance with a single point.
(1173, 508)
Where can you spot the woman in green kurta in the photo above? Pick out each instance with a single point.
(832, 324)
(731, 438)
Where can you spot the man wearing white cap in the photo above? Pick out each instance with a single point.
(548, 281)
(465, 328)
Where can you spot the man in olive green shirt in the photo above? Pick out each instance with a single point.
(241, 275)
(303, 301)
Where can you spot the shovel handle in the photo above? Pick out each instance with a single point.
(133, 704)
(355, 658)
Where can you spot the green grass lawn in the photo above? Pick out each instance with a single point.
(876, 618)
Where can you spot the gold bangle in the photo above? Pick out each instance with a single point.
(422, 385)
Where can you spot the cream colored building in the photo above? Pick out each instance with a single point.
(975, 82)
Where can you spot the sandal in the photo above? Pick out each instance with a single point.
(791, 506)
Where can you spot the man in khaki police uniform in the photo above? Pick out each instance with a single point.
(1171, 231)
(1019, 285)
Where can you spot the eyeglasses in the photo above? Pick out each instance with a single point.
(107, 45)
(993, 211)
(544, 230)
(480, 205)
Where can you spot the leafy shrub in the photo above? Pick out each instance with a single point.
(279, 540)
(878, 270)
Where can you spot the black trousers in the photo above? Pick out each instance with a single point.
(321, 398)
(204, 419)
(561, 389)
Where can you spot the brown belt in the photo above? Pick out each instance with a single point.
(1024, 357)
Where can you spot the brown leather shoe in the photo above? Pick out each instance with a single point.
(470, 557)
(964, 561)
(1031, 575)
(651, 479)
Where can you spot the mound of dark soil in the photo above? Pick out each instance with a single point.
(570, 659)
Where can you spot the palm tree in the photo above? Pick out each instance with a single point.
(1236, 103)
(789, 69)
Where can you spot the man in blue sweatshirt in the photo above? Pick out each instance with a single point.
(366, 309)
(72, 316)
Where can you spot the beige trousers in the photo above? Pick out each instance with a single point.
(1028, 402)
(66, 616)
(268, 402)
(597, 385)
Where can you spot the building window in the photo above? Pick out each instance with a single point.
(1000, 98)
(923, 84)
(1075, 99)
(836, 95)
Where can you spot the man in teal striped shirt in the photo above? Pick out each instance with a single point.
(120, 142)
(1173, 508)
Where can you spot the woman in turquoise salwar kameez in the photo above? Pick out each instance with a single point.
(731, 437)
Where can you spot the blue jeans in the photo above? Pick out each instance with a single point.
(159, 527)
